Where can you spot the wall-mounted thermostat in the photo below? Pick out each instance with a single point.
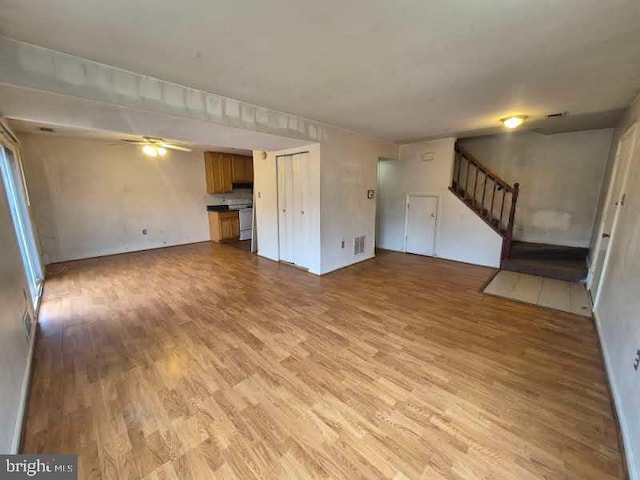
(370, 193)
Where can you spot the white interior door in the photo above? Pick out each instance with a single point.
(422, 211)
(613, 204)
(285, 208)
(300, 167)
(293, 227)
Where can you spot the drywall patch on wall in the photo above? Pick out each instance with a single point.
(32, 66)
(93, 198)
(551, 219)
(460, 235)
(560, 179)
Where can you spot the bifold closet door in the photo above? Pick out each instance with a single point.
(293, 226)
(300, 169)
(285, 208)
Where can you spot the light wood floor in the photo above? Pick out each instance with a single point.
(206, 362)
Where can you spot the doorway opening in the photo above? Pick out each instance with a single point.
(18, 200)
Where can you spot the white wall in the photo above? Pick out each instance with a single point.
(348, 169)
(92, 198)
(560, 180)
(266, 203)
(461, 235)
(343, 169)
(618, 310)
(14, 347)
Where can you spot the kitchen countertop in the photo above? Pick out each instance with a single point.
(217, 208)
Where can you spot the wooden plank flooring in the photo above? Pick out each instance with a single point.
(204, 361)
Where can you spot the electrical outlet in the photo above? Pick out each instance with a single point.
(636, 363)
(342, 244)
(144, 231)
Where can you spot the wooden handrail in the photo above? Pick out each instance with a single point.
(469, 194)
(494, 176)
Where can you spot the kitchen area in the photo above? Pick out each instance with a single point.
(230, 183)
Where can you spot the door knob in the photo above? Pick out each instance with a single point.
(433, 214)
(605, 235)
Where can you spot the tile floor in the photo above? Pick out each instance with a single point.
(546, 292)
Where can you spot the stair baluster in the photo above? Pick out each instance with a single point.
(478, 203)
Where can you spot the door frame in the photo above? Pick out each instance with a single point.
(406, 219)
(611, 197)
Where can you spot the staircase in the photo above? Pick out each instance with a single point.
(488, 195)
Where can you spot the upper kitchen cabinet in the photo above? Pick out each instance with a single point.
(242, 169)
(218, 168)
(225, 169)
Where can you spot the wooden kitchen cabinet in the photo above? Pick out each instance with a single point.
(224, 226)
(242, 169)
(219, 172)
(225, 169)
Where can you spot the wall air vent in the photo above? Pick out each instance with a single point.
(358, 245)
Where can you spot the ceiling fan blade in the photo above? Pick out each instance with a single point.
(134, 142)
(174, 147)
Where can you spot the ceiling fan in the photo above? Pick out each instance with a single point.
(154, 147)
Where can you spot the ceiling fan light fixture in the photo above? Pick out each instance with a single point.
(150, 150)
(514, 121)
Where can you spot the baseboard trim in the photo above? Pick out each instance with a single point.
(627, 452)
(445, 259)
(360, 260)
(16, 444)
(113, 254)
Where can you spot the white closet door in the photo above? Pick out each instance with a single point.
(285, 208)
(301, 242)
(421, 224)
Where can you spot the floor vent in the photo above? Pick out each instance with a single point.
(358, 245)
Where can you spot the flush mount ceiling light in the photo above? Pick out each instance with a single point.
(513, 121)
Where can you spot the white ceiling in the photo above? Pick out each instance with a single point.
(403, 69)
(28, 127)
